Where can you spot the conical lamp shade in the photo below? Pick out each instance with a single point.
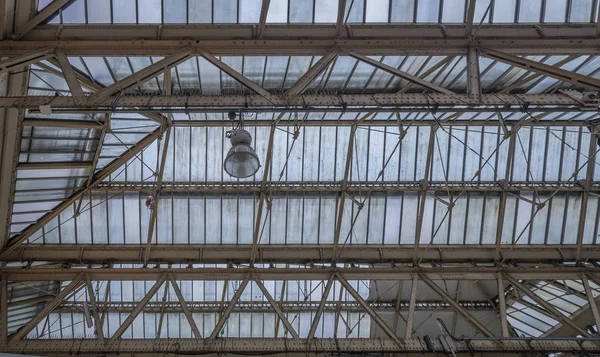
(241, 160)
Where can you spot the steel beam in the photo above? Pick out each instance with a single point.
(24, 60)
(473, 77)
(54, 165)
(589, 176)
(142, 75)
(290, 329)
(544, 69)
(69, 74)
(470, 18)
(313, 72)
(411, 308)
(236, 75)
(415, 346)
(58, 299)
(502, 307)
(319, 312)
(185, 308)
(264, 11)
(3, 311)
(94, 307)
(307, 39)
(529, 272)
(341, 18)
(591, 299)
(401, 74)
(374, 316)
(63, 123)
(41, 17)
(297, 254)
(140, 306)
(264, 306)
(225, 316)
(554, 313)
(162, 103)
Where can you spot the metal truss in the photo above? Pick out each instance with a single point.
(525, 272)
(298, 254)
(187, 103)
(245, 346)
(356, 187)
(372, 39)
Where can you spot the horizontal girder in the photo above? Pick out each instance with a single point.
(314, 39)
(264, 306)
(187, 103)
(299, 254)
(281, 345)
(311, 273)
(355, 187)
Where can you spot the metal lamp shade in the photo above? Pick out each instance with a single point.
(241, 161)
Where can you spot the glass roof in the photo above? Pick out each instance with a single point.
(322, 11)
(388, 149)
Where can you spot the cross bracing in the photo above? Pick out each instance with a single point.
(421, 160)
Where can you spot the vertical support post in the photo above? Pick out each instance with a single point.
(424, 187)
(591, 300)
(473, 78)
(154, 213)
(264, 11)
(342, 197)
(3, 311)
(470, 18)
(163, 306)
(94, 305)
(263, 186)
(503, 196)
(502, 306)
(317, 317)
(339, 25)
(411, 308)
(586, 188)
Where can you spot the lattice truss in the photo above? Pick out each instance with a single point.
(429, 170)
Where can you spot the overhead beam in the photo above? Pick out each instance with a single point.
(409, 77)
(313, 72)
(290, 253)
(54, 165)
(533, 271)
(162, 103)
(319, 312)
(69, 74)
(473, 77)
(236, 75)
(410, 317)
(341, 18)
(300, 348)
(502, 307)
(470, 18)
(21, 61)
(306, 39)
(142, 75)
(63, 123)
(264, 11)
(544, 69)
(41, 17)
(94, 308)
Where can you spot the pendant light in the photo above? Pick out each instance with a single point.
(241, 160)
